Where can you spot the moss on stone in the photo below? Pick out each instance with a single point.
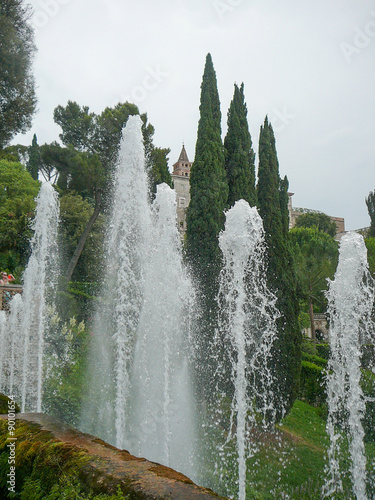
(6, 403)
(51, 456)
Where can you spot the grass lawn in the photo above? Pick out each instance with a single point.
(291, 464)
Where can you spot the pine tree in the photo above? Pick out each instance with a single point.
(34, 161)
(208, 183)
(239, 161)
(273, 208)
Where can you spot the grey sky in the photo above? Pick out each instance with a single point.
(309, 65)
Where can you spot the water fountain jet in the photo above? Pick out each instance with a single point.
(350, 302)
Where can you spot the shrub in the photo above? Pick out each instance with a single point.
(322, 350)
(312, 388)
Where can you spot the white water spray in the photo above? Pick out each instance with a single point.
(22, 369)
(162, 416)
(350, 302)
(139, 376)
(247, 329)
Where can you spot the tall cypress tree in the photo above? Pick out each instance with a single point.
(208, 183)
(370, 202)
(205, 219)
(239, 153)
(34, 161)
(273, 208)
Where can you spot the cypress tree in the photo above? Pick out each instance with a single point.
(205, 219)
(370, 202)
(34, 161)
(239, 160)
(208, 183)
(273, 208)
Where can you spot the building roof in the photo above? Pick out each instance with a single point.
(183, 155)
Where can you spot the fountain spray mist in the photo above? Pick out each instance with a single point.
(23, 375)
(161, 420)
(247, 330)
(117, 316)
(139, 395)
(350, 302)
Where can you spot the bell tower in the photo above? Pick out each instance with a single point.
(181, 182)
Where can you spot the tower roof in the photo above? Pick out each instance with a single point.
(183, 155)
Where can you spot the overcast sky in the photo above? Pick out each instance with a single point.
(309, 65)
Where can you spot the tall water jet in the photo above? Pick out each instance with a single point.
(247, 330)
(350, 302)
(3, 346)
(161, 418)
(27, 320)
(139, 389)
(117, 316)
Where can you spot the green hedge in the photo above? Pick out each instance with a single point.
(312, 387)
(322, 350)
(316, 360)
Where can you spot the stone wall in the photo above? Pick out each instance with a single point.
(46, 450)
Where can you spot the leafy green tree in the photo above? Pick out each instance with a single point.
(272, 205)
(316, 254)
(91, 148)
(239, 154)
(17, 89)
(34, 161)
(17, 205)
(75, 212)
(370, 202)
(77, 125)
(319, 220)
(159, 171)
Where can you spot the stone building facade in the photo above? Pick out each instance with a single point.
(294, 213)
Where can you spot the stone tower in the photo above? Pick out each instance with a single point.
(181, 182)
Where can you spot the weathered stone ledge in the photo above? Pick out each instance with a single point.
(99, 466)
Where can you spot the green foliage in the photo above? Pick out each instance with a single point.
(64, 365)
(370, 202)
(205, 219)
(317, 220)
(159, 171)
(75, 213)
(239, 154)
(323, 350)
(370, 245)
(17, 89)
(66, 489)
(208, 184)
(312, 388)
(315, 255)
(78, 125)
(4, 405)
(313, 358)
(17, 205)
(34, 160)
(368, 387)
(280, 267)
